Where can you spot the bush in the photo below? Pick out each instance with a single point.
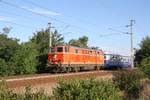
(129, 82)
(24, 60)
(86, 89)
(6, 94)
(145, 67)
(39, 95)
(73, 90)
(5, 69)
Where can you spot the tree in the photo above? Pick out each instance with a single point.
(6, 30)
(144, 50)
(41, 39)
(7, 47)
(57, 38)
(82, 41)
(142, 56)
(3, 67)
(145, 66)
(95, 47)
(16, 58)
(145, 47)
(138, 57)
(74, 42)
(24, 60)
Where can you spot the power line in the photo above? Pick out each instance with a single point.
(118, 31)
(16, 6)
(64, 28)
(140, 28)
(16, 14)
(107, 35)
(60, 21)
(35, 4)
(17, 24)
(131, 39)
(112, 34)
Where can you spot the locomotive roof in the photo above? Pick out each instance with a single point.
(78, 47)
(116, 54)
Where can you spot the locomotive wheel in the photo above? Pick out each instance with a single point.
(100, 67)
(68, 69)
(97, 68)
(76, 69)
(81, 68)
(63, 70)
(57, 69)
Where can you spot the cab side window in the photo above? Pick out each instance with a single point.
(66, 49)
(76, 51)
(59, 49)
(91, 52)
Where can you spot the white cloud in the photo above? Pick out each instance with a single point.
(41, 11)
(4, 18)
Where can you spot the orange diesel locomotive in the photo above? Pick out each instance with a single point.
(72, 58)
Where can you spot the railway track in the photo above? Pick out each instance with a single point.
(22, 81)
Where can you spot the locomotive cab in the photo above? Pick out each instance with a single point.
(55, 55)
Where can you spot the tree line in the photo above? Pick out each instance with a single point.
(31, 56)
(142, 56)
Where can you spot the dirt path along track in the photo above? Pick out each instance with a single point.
(54, 78)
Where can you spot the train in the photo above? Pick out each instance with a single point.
(68, 58)
(113, 61)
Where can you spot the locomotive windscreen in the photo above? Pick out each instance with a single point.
(59, 49)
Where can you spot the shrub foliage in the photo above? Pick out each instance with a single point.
(86, 89)
(145, 66)
(74, 90)
(142, 56)
(129, 82)
(6, 94)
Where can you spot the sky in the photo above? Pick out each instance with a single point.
(103, 21)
